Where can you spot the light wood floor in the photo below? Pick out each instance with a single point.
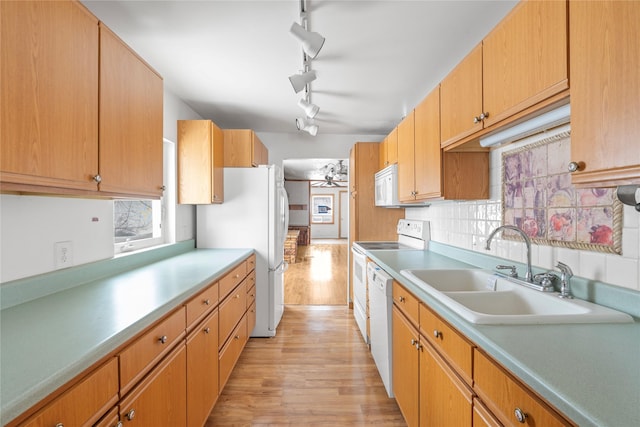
(316, 371)
(319, 275)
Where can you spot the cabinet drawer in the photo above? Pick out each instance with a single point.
(406, 302)
(251, 263)
(231, 310)
(231, 280)
(201, 304)
(505, 396)
(231, 352)
(85, 402)
(453, 346)
(143, 353)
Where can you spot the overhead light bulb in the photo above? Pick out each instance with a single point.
(311, 42)
(307, 127)
(300, 81)
(310, 109)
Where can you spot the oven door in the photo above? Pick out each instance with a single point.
(360, 291)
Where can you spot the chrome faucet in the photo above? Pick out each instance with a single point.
(529, 275)
(565, 284)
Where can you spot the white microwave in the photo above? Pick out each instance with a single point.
(387, 186)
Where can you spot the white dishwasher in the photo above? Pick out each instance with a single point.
(380, 306)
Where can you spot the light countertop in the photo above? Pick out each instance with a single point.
(45, 342)
(589, 372)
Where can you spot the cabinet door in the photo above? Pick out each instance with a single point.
(85, 402)
(406, 155)
(383, 162)
(444, 399)
(238, 148)
(202, 371)
(461, 99)
(130, 121)
(428, 162)
(392, 147)
(405, 367)
(605, 91)
(200, 162)
(525, 59)
(49, 97)
(159, 400)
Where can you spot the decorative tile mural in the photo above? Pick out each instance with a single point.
(537, 197)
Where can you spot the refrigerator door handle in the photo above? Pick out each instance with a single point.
(282, 267)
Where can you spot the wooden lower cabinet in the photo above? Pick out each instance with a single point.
(444, 398)
(202, 370)
(231, 352)
(84, 403)
(405, 367)
(440, 378)
(159, 400)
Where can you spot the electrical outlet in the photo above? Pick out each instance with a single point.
(63, 254)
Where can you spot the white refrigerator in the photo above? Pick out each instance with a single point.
(254, 214)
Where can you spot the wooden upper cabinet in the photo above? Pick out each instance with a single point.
(243, 148)
(406, 154)
(525, 59)
(605, 92)
(428, 156)
(49, 96)
(389, 149)
(131, 113)
(461, 99)
(200, 162)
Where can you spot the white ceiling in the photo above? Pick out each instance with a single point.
(230, 60)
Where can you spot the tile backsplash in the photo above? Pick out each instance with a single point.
(467, 224)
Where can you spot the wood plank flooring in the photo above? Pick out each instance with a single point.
(317, 371)
(319, 275)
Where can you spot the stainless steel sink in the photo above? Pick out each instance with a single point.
(482, 297)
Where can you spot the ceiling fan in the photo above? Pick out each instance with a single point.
(335, 175)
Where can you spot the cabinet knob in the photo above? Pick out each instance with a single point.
(119, 424)
(163, 339)
(97, 179)
(401, 298)
(59, 425)
(575, 166)
(521, 416)
(206, 302)
(484, 115)
(131, 414)
(437, 333)
(476, 120)
(237, 337)
(207, 330)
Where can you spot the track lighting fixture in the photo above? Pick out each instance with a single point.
(310, 109)
(301, 80)
(302, 124)
(311, 42)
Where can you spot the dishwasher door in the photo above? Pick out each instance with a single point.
(380, 307)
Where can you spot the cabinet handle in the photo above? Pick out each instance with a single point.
(575, 166)
(162, 188)
(476, 120)
(401, 298)
(119, 424)
(59, 425)
(437, 333)
(163, 339)
(131, 414)
(484, 115)
(97, 179)
(206, 302)
(521, 416)
(238, 296)
(237, 337)
(207, 330)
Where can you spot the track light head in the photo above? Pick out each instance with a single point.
(311, 42)
(300, 81)
(311, 110)
(307, 127)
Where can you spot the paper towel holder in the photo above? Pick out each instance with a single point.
(629, 195)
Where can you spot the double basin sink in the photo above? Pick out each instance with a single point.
(483, 297)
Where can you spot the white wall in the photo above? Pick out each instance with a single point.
(298, 193)
(466, 225)
(31, 225)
